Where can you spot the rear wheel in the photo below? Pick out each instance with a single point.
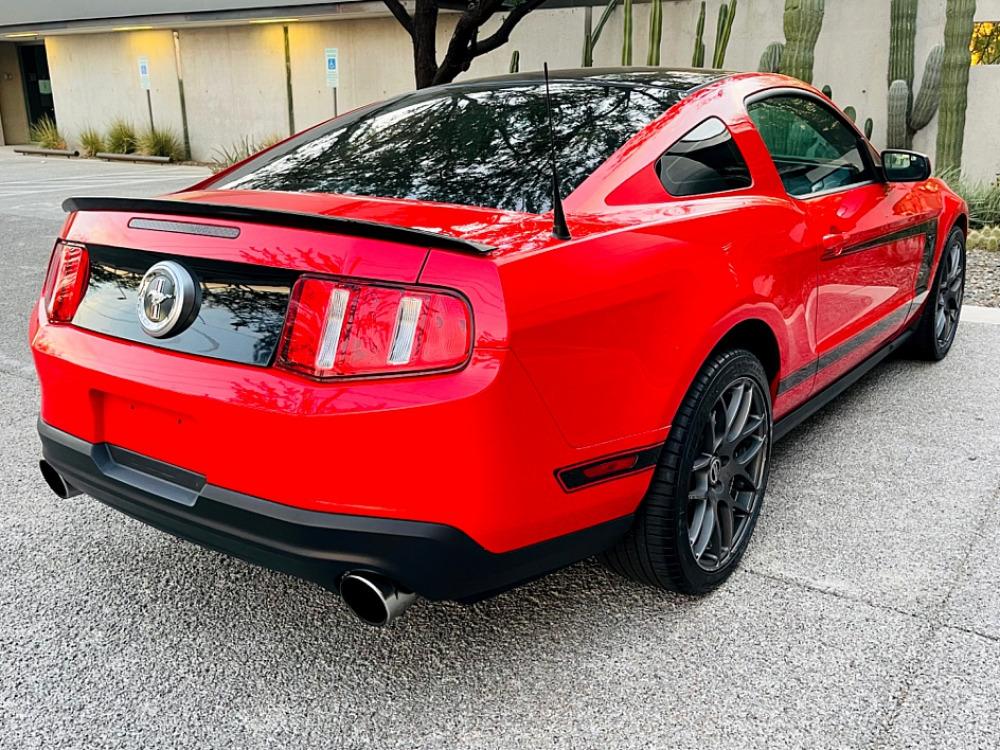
(702, 505)
(935, 331)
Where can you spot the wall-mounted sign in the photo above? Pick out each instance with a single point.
(332, 68)
(144, 72)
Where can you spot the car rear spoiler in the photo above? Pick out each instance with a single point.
(293, 219)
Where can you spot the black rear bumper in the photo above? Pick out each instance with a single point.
(434, 560)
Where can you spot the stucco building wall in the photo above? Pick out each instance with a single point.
(95, 79)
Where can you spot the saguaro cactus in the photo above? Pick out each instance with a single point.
(723, 30)
(698, 57)
(590, 39)
(908, 114)
(770, 61)
(960, 15)
(627, 33)
(803, 21)
(902, 39)
(655, 32)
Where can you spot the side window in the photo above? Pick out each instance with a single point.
(705, 160)
(812, 149)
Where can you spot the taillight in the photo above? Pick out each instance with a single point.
(341, 329)
(66, 282)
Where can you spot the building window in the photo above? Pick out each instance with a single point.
(986, 43)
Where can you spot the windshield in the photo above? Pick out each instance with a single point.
(470, 145)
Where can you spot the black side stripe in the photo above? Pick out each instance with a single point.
(924, 228)
(797, 378)
(835, 355)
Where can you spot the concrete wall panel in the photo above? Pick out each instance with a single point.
(95, 79)
(234, 84)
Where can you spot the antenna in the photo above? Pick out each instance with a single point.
(559, 229)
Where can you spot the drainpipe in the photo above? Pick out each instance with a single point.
(288, 81)
(180, 93)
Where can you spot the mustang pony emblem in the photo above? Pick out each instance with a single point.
(156, 297)
(168, 299)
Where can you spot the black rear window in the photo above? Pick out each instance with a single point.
(705, 160)
(479, 145)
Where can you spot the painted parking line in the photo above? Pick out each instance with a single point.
(87, 185)
(977, 314)
(103, 175)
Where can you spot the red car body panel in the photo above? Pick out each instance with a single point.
(582, 349)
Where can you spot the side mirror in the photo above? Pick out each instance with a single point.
(905, 166)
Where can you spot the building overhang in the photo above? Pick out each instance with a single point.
(21, 23)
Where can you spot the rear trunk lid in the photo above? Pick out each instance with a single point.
(246, 249)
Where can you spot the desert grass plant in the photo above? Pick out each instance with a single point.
(91, 141)
(157, 142)
(121, 138)
(983, 198)
(244, 148)
(269, 140)
(46, 134)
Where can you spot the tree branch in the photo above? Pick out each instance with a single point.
(502, 35)
(399, 11)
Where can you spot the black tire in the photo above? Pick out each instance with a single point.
(944, 303)
(660, 549)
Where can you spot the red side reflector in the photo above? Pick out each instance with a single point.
(610, 467)
(339, 329)
(66, 283)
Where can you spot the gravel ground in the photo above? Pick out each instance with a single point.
(982, 282)
(865, 613)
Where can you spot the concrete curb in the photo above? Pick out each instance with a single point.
(976, 314)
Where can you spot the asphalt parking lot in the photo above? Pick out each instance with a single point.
(866, 613)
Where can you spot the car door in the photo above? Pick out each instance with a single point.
(867, 236)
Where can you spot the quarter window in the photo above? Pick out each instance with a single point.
(812, 148)
(706, 160)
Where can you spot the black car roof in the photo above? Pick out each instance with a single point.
(674, 79)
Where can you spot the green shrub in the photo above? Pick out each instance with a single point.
(242, 149)
(155, 142)
(91, 141)
(46, 134)
(121, 137)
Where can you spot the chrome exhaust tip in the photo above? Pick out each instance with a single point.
(56, 481)
(374, 599)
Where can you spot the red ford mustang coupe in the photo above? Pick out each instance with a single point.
(386, 355)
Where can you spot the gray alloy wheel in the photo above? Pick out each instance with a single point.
(726, 481)
(950, 291)
(935, 330)
(706, 493)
